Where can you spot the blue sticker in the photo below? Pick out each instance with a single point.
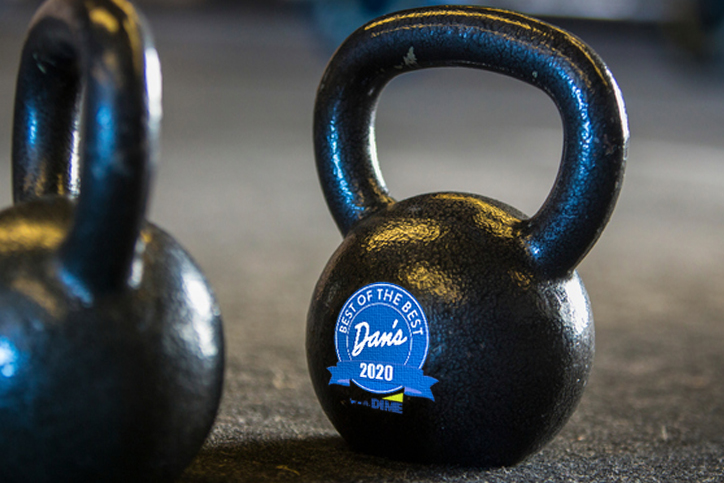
(382, 340)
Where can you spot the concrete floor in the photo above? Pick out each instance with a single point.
(237, 186)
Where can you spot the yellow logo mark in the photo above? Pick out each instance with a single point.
(395, 397)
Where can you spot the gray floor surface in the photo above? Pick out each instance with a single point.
(237, 186)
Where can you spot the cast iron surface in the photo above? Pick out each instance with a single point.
(511, 332)
(110, 337)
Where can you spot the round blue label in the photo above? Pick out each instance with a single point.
(382, 340)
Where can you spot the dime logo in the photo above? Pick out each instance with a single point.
(382, 340)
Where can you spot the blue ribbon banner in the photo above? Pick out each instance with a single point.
(414, 381)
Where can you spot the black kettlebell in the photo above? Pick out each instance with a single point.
(111, 346)
(449, 327)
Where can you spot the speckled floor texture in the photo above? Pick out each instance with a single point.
(237, 186)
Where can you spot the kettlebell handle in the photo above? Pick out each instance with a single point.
(93, 55)
(595, 127)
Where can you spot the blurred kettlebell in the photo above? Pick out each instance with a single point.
(449, 327)
(111, 344)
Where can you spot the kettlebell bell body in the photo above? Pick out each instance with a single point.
(111, 344)
(449, 327)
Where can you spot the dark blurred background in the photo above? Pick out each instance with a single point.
(237, 186)
(698, 25)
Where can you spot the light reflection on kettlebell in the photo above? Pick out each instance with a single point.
(8, 358)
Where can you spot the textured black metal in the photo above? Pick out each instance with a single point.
(594, 120)
(511, 332)
(111, 343)
(46, 114)
(122, 114)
